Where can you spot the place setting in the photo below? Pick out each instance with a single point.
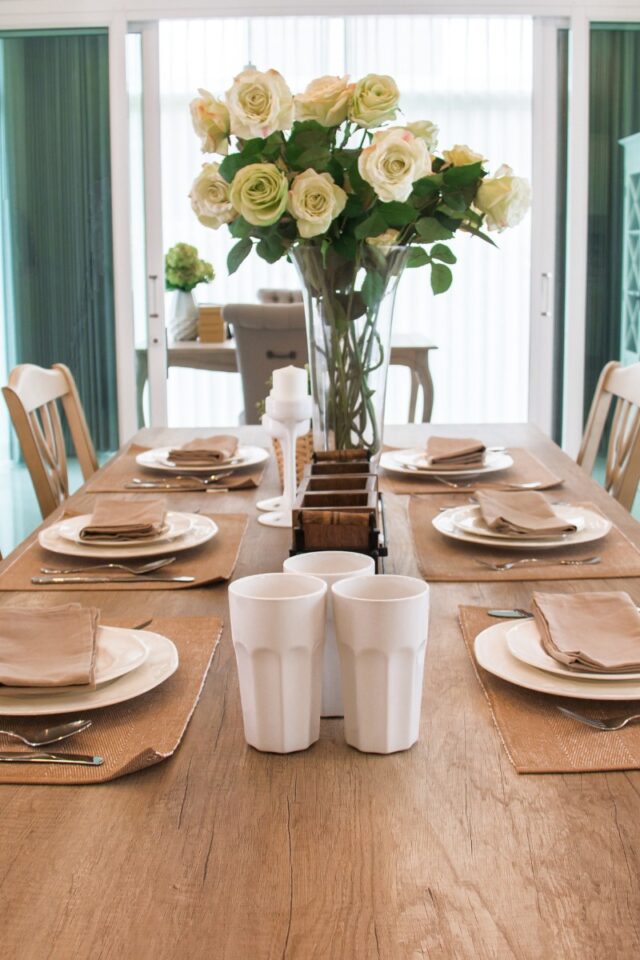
(129, 544)
(84, 701)
(462, 465)
(517, 535)
(215, 464)
(562, 679)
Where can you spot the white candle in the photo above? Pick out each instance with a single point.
(289, 383)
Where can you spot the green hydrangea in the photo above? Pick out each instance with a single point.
(184, 270)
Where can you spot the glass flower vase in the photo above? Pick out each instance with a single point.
(348, 306)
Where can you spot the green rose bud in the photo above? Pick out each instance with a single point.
(259, 193)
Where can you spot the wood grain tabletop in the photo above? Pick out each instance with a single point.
(225, 853)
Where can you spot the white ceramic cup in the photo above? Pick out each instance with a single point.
(331, 566)
(381, 628)
(277, 627)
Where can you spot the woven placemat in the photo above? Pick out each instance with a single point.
(137, 733)
(536, 736)
(114, 477)
(526, 469)
(442, 558)
(213, 561)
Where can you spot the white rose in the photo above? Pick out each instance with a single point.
(386, 239)
(314, 201)
(375, 99)
(461, 155)
(210, 197)
(259, 103)
(210, 120)
(325, 100)
(393, 162)
(504, 199)
(425, 130)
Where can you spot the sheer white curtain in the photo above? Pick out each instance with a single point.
(472, 76)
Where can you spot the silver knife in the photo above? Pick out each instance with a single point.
(83, 759)
(125, 578)
(511, 614)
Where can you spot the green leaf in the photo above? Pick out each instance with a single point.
(427, 186)
(346, 245)
(450, 213)
(239, 228)
(430, 229)
(270, 248)
(236, 161)
(418, 257)
(467, 228)
(372, 289)
(397, 214)
(462, 176)
(309, 145)
(373, 226)
(455, 201)
(354, 207)
(440, 252)
(441, 278)
(237, 254)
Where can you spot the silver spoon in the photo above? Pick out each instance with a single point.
(51, 734)
(138, 570)
(543, 562)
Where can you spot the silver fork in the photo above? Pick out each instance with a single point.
(139, 570)
(548, 563)
(615, 723)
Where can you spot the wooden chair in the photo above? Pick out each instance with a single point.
(32, 396)
(622, 473)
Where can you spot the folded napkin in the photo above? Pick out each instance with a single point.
(598, 632)
(204, 451)
(525, 514)
(125, 520)
(450, 452)
(48, 648)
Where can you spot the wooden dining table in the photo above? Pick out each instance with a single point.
(443, 851)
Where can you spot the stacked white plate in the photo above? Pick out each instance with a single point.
(514, 652)
(182, 531)
(413, 463)
(128, 664)
(158, 459)
(466, 524)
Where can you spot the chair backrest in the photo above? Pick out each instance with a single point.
(279, 295)
(622, 473)
(32, 396)
(267, 336)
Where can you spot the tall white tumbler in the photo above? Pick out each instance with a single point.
(381, 629)
(331, 566)
(277, 627)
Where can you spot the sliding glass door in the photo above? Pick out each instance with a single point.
(56, 266)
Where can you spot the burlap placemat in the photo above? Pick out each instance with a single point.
(526, 469)
(137, 733)
(113, 477)
(214, 560)
(536, 736)
(441, 558)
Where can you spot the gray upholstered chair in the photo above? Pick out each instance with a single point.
(279, 295)
(268, 336)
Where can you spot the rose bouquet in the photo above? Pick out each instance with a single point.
(323, 179)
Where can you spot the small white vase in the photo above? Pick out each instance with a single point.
(183, 323)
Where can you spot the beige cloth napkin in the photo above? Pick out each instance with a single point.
(599, 632)
(451, 452)
(125, 520)
(48, 648)
(204, 451)
(525, 514)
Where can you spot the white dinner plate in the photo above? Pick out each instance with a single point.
(157, 459)
(472, 522)
(398, 461)
(176, 525)
(493, 654)
(200, 530)
(524, 643)
(118, 651)
(161, 662)
(595, 527)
